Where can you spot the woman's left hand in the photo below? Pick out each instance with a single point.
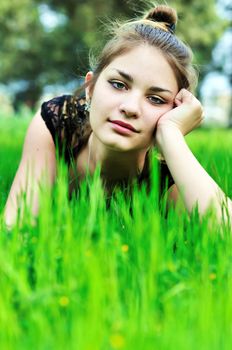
(185, 116)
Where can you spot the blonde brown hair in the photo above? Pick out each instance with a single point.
(156, 28)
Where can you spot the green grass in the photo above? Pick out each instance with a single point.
(124, 277)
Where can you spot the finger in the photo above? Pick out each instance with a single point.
(185, 96)
(177, 102)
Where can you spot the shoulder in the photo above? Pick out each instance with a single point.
(63, 107)
(66, 119)
(66, 112)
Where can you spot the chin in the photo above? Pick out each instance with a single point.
(119, 147)
(120, 143)
(123, 147)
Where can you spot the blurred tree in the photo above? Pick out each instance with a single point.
(20, 47)
(47, 42)
(200, 26)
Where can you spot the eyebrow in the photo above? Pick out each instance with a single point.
(129, 78)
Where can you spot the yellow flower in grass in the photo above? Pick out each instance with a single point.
(64, 301)
(88, 253)
(117, 341)
(212, 276)
(125, 248)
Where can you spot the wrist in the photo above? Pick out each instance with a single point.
(167, 134)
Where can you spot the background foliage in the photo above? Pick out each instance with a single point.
(34, 54)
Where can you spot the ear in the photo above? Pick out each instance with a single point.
(88, 77)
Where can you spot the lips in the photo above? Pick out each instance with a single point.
(124, 125)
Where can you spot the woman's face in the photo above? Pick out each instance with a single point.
(129, 97)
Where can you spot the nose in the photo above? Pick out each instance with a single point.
(131, 105)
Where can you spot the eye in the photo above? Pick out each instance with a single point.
(119, 85)
(156, 100)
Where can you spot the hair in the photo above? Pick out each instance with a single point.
(157, 29)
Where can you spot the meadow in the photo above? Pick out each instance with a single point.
(127, 276)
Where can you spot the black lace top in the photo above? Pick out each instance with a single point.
(68, 123)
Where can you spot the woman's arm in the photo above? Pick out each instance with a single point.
(38, 160)
(193, 183)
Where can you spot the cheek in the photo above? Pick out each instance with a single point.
(161, 111)
(98, 115)
(154, 117)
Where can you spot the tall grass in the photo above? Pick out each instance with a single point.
(93, 274)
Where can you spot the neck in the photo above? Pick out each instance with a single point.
(115, 165)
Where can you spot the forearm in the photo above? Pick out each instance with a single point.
(21, 195)
(193, 182)
(25, 190)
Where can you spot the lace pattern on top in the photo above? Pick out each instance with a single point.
(68, 122)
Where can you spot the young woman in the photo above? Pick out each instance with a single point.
(137, 97)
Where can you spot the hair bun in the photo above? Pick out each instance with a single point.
(164, 14)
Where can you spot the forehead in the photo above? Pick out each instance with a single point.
(148, 64)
